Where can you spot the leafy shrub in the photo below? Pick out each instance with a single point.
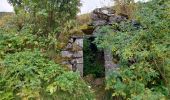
(10, 43)
(143, 54)
(23, 40)
(69, 85)
(29, 75)
(47, 15)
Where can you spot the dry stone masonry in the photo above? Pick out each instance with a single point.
(109, 65)
(73, 52)
(74, 49)
(106, 16)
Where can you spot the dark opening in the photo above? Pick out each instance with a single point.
(93, 58)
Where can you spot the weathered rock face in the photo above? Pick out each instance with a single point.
(106, 16)
(102, 13)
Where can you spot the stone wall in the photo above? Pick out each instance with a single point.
(74, 49)
(73, 54)
(101, 17)
(109, 64)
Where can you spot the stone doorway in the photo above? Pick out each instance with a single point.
(75, 57)
(93, 58)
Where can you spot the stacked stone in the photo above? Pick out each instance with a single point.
(101, 17)
(109, 64)
(74, 49)
(106, 16)
(74, 54)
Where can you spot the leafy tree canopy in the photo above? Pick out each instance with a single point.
(48, 16)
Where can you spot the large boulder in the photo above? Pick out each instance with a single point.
(102, 13)
(108, 16)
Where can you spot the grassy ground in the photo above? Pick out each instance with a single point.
(98, 86)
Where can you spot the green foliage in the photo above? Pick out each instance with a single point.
(23, 40)
(143, 54)
(70, 85)
(47, 16)
(25, 73)
(30, 75)
(27, 41)
(10, 43)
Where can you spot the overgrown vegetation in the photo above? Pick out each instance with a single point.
(47, 16)
(29, 75)
(32, 38)
(143, 54)
(30, 42)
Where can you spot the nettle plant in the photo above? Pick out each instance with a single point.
(30, 75)
(143, 54)
(19, 41)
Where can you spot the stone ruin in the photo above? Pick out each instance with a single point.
(74, 48)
